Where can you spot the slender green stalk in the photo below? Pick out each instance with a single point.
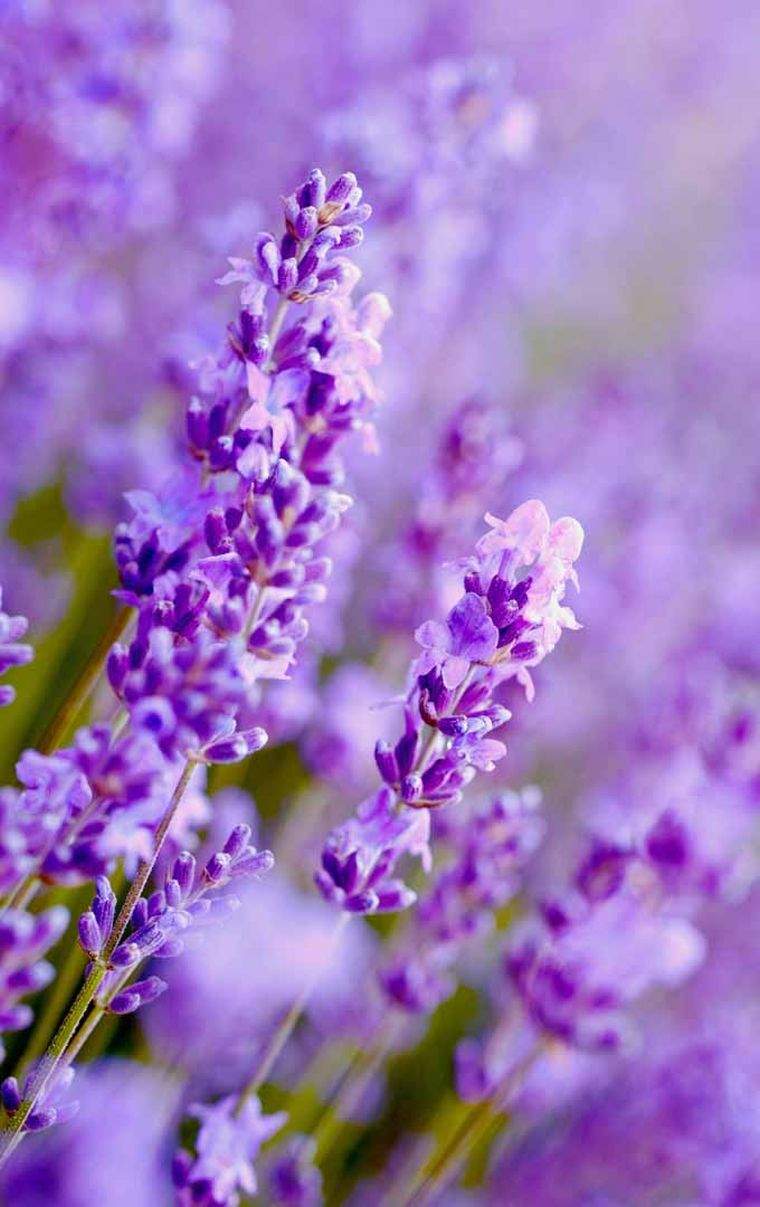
(23, 894)
(59, 727)
(475, 1121)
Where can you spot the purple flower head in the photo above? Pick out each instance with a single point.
(55, 794)
(125, 780)
(13, 651)
(185, 695)
(469, 636)
(227, 1145)
(320, 220)
(521, 568)
(450, 712)
(165, 923)
(360, 856)
(489, 850)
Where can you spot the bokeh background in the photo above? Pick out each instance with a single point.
(565, 223)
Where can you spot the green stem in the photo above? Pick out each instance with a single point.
(477, 1120)
(22, 895)
(84, 686)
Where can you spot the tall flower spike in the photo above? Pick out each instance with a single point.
(508, 618)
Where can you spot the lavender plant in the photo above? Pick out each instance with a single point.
(479, 999)
(220, 592)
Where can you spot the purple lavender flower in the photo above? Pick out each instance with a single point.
(13, 651)
(162, 925)
(490, 848)
(53, 790)
(572, 974)
(319, 221)
(508, 618)
(227, 1144)
(185, 696)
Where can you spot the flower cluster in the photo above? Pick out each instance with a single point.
(574, 976)
(224, 565)
(162, 924)
(509, 617)
(228, 1142)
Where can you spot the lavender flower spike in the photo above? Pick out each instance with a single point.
(509, 617)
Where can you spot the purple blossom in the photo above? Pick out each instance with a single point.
(53, 1107)
(469, 636)
(227, 1145)
(488, 851)
(186, 696)
(451, 702)
(164, 923)
(573, 975)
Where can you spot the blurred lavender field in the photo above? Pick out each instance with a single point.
(276, 509)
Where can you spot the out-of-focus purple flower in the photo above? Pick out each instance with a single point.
(574, 976)
(279, 942)
(13, 651)
(293, 1179)
(24, 939)
(112, 1152)
(490, 848)
(341, 734)
(474, 455)
(227, 1145)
